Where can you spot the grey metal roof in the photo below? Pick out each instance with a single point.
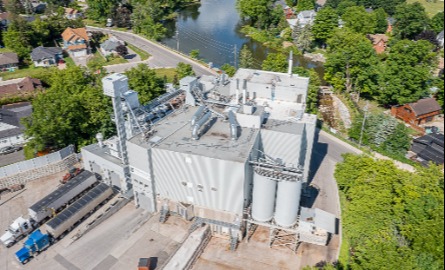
(109, 45)
(308, 14)
(12, 114)
(53, 196)
(78, 205)
(430, 148)
(175, 135)
(441, 35)
(41, 53)
(319, 218)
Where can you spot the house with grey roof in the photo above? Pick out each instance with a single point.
(306, 17)
(9, 61)
(11, 129)
(46, 56)
(109, 46)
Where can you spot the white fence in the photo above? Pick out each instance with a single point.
(36, 163)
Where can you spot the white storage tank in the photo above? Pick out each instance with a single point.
(288, 203)
(263, 201)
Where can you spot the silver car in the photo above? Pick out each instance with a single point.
(9, 149)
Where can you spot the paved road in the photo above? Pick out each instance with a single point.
(12, 158)
(161, 57)
(327, 152)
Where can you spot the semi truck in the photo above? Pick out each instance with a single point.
(62, 223)
(47, 207)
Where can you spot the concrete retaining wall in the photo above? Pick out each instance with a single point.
(30, 175)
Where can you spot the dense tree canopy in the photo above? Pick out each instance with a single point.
(352, 63)
(100, 10)
(183, 70)
(305, 5)
(246, 58)
(261, 13)
(144, 80)
(360, 21)
(407, 71)
(392, 219)
(411, 20)
(276, 62)
(326, 22)
(71, 111)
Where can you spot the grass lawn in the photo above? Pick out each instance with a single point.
(169, 72)
(30, 71)
(143, 54)
(432, 6)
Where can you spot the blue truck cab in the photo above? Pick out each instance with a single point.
(35, 243)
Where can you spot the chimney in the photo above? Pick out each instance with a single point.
(291, 62)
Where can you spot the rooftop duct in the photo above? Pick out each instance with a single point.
(199, 124)
(198, 115)
(233, 126)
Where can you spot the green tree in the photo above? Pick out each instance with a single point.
(18, 42)
(352, 63)
(145, 25)
(357, 19)
(344, 5)
(257, 11)
(381, 21)
(326, 22)
(406, 228)
(437, 22)
(246, 58)
(305, 5)
(15, 7)
(276, 62)
(144, 80)
(71, 111)
(314, 88)
(411, 20)
(229, 69)
(305, 40)
(407, 72)
(100, 10)
(183, 70)
(194, 54)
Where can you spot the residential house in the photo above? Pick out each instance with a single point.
(440, 39)
(46, 56)
(306, 17)
(418, 113)
(76, 41)
(11, 128)
(73, 14)
(110, 45)
(19, 87)
(4, 19)
(9, 61)
(379, 42)
(429, 148)
(38, 6)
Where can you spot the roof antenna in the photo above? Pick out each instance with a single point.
(291, 62)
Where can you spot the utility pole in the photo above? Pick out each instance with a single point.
(177, 39)
(364, 122)
(236, 56)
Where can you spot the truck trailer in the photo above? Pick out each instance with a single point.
(57, 227)
(61, 196)
(47, 207)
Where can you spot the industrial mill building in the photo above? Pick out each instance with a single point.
(234, 154)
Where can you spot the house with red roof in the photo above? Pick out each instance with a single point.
(76, 42)
(418, 113)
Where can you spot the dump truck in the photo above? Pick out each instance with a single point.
(47, 207)
(64, 222)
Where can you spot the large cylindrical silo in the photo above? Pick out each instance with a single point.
(288, 203)
(263, 201)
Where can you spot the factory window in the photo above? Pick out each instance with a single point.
(214, 189)
(184, 184)
(200, 186)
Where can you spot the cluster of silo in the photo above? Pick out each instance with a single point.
(276, 196)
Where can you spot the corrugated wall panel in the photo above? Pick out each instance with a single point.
(172, 170)
(282, 145)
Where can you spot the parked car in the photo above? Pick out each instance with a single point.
(10, 149)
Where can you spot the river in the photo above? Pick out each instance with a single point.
(213, 27)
